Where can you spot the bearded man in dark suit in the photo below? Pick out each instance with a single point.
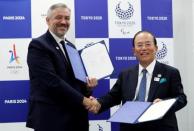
(58, 102)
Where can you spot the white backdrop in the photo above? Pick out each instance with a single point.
(183, 29)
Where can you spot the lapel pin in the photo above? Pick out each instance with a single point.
(156, 79)
(159, 75)
(162, 80)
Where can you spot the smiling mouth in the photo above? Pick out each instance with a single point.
(144, 54)
(63, 29)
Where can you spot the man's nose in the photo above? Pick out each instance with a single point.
(64, 21)
(144, 46)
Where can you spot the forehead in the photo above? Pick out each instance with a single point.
(143, 36)
(61, 11)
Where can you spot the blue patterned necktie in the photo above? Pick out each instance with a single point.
(142, 87)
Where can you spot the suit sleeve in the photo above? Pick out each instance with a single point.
(44, 78)
(177, 90)
(113, 97)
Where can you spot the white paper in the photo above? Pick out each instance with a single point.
(97, 61)
(157, 110)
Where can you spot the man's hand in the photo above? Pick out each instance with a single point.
(91, 104)
(91, 82)
(157, 100)
(87, 103)
(96, 105)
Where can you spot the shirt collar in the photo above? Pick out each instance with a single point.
(149, 68)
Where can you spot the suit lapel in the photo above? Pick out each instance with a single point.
(133, 82)
(53, 42)
(154, 84)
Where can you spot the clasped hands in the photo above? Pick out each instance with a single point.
(91, 104)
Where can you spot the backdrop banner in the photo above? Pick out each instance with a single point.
(114, 21)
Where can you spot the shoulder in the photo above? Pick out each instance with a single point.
(42, 40)
(166, 67)
(44, 37)
(129, 70)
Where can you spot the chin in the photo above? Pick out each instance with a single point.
(145, 60)
(61, 34)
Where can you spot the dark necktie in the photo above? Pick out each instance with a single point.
(142, 87)
(66, 55)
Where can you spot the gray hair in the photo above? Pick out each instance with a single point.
(53, 7)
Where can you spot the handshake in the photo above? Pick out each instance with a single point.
(91, 104)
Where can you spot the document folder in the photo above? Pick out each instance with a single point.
(137, 112)
(92, 61)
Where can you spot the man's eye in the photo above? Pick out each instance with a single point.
(148, 44)
(58, 18)
(139, 45)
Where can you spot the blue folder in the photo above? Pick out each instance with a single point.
(133, 112)
(129, 112)
(78, 65)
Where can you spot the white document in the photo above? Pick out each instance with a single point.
(157, 110)
(96, 61)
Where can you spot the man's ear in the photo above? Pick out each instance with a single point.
(156, 49)
(47, 20)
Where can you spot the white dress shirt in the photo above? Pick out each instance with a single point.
(149, 74)
(58, 40)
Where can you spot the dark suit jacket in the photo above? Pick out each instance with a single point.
(125, 87)
(55, 102)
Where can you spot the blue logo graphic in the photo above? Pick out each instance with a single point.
(15, 18)
(162, 53)
(158, 18)
(91, 19)
(13, 102)
(122, 57)
(124, 14)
